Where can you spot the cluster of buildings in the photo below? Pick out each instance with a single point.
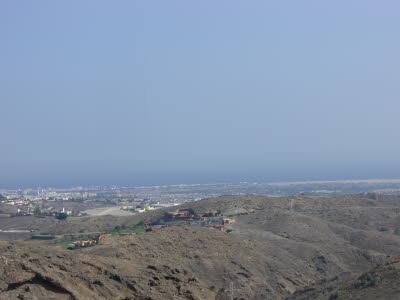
(217, 227)
(144, 206)
(182, 214)
(138, 208)
(190, 214)
(212, 221)
(154, 228)
(221, 227)
(88, 243)
(24, 203)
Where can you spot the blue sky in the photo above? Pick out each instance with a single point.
(153, 92)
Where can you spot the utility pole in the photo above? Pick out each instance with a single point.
(231, 289)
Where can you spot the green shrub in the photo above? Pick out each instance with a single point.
(335, 295)
(367, 280)
(61, 216)
(118, 228)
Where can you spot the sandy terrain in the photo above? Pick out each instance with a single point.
(113, 211)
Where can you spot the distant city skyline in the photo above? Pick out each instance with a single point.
(169, 92)
(316, 180)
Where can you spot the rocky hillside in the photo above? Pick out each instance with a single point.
(36, 272)
(368, 212)
(279, 247)
(382, 282)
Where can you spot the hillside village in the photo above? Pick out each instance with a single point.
(181, 217)
(269, 247)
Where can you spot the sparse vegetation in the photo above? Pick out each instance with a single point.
(126, 231)
(367, 280)
(196, 254)
(118, 228)
(37, 211)
(334, 296)
(61, 216)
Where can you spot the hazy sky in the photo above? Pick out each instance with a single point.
(154, 92)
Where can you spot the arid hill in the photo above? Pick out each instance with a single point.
(35, 272)
(382, 282)
(367, 211)
(279, 247)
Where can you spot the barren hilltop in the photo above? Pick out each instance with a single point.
(298, 247)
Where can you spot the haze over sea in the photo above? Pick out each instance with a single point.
(169, 92)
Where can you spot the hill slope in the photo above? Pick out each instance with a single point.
(279, 245)
(382, 282)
